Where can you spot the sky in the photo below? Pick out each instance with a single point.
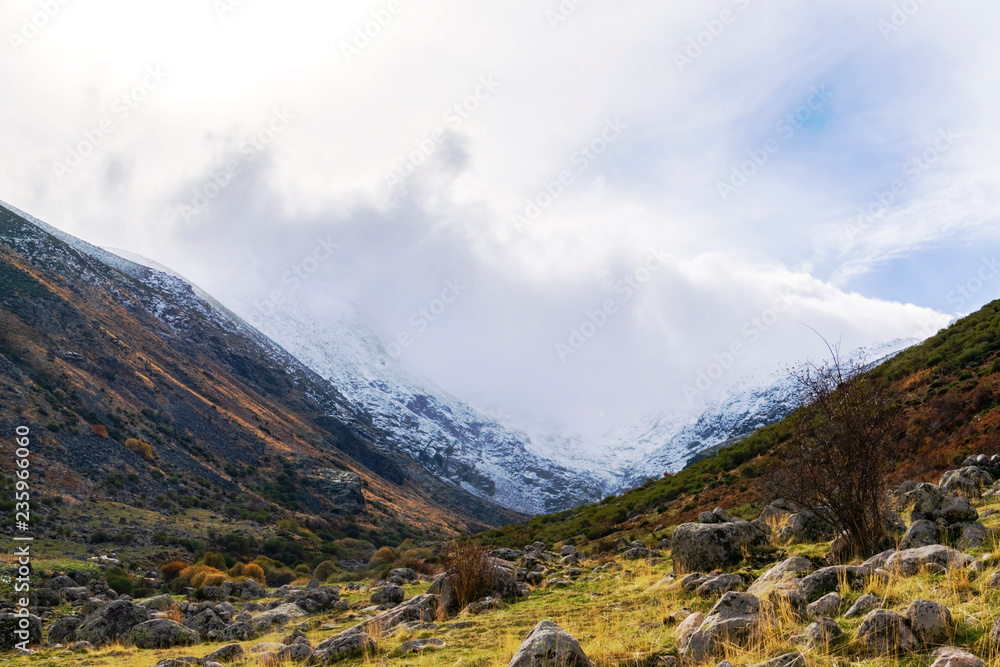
(574, 211)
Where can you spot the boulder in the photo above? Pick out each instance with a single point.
(687, 628)
(705, 547)
(59, 583)
(921, 533)
(158, 603)
(862, 606)
(929, 621)
(162, 633)
(14, 632)
(340, 487)
(111, 622)
(805, 527)
(388, 595)
(205, 621)
(883, 632)
(719, 584)
(63, 630)
(822, 634)
(784, 575)
(548, 645)
(955, 657)
(827, 579)
(279, 615)
(733, 620)
(968, 482)
(968, 535)
(911, 561)
(787, 660)
(346, 644)
(228, 653)
(828, 605)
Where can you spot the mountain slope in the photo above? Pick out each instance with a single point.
(232, 420)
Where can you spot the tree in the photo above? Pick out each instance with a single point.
(839, 460)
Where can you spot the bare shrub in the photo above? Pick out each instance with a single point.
(470, 571)
(840, 458)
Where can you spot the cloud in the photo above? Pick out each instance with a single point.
(470, 157)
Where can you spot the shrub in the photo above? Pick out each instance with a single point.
(119, 581)
(213, 579)
(303, 569)
(143, 449)
(237, 570)
(255, 572)
(280, 577)
(470, 571)
(214, 560)
(383, 555)
(99, 430)
(325, 569)
(171, 570)
(99, 536)
(420, 566)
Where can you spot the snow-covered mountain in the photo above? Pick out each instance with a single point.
(449, 437)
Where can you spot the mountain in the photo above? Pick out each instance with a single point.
(140, 389)
(458, 443)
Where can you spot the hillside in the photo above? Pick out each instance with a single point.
(139, 392)
(949, 386)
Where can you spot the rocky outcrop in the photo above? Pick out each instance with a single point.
(733, 620)
(968, 482)
(886, 633)
(936, 558)
(111, 622)
(785, 575)
(340, 487)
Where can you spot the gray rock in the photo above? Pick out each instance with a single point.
(228, 653)
(708, 517)
(827, 579)
(418, 645)
(823, 634)
(12, 632)
(921, 533)
(787, 660)
(968, 482)
(863, 605)
(158, 603)
(63, 630)
(340, 487)
(111, 622)
(242, 631)
(717, 585)
(548, 645)
(733, 620)
(388, 595)
(955, 657)
(162, 633)
(205, 622)
(705, 547)
(929, 621)
(883, 632)
(828, 605)
(970, 535)
(279, 615)
(910, 561)
(784, 575)
(409, 575)
(805, 527)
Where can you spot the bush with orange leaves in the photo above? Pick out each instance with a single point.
(171, 570)
(255, 572)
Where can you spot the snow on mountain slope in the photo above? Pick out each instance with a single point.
(452, 439)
